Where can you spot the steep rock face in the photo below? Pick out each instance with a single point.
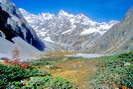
(70, 32)
(118, 39)
(16, 26)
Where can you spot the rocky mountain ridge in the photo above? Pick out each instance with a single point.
(16, 32)
(118, 39)
(68, 31)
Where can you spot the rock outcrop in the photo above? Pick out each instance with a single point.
(118, 39)
(15, 32)
(12, 24)
(70, 32)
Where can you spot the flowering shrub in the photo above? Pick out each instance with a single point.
(14, 63)
(12, 75)
(24, 66)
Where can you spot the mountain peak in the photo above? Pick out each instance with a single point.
(59, 28)
(46, 16)
(81, 15)
(24, 12)
(129, 12)
(64, 13)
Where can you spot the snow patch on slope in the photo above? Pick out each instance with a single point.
(102, 28)
(48, 39)
(27, 52)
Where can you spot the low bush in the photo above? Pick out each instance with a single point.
(50, 83)
(42, 62)
(12, 75)
(114, 71)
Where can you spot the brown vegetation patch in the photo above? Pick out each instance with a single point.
(61, 53)
(78, 71)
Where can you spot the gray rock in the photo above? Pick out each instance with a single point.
(118, 39)
(18, 26)
(67, 31)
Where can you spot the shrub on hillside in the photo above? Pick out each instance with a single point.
(114, 71)
(10, 75)
(42, 62)
(50, 83)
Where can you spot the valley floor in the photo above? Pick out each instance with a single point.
(76, 69)
(63, 72)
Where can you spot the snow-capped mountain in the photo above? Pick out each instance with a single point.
(71, 32)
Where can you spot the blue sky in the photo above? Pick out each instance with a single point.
(98, 10)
